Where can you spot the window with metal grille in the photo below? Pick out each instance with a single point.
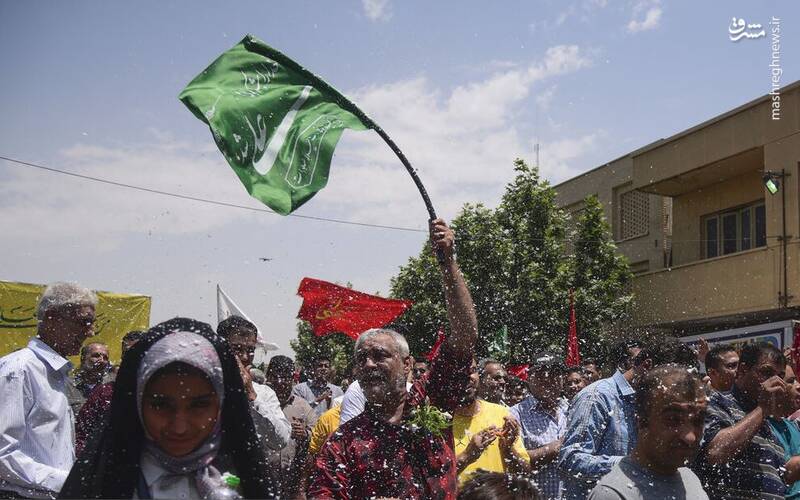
(634, 214)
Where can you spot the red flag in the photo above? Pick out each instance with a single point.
(519, 371)
(332, 308)
(440, 336)
(573, 356)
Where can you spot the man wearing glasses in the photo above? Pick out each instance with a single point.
(271, 424)
(721, 364)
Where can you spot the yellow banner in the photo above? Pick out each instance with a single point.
(116, 315)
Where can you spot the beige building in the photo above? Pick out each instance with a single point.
(710, 246)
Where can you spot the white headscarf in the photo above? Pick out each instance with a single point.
(193, 350)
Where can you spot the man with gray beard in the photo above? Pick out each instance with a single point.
(397, 447)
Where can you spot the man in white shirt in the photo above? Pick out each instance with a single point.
(271, 424)
(36, 422)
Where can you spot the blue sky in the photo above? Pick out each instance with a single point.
(463, 87)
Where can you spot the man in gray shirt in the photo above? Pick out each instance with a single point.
(318, 392)
(671, 408)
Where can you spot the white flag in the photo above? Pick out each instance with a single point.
(227, 307)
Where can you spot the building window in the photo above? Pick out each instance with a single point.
(634, 214)
(712, 243)
(734, 230)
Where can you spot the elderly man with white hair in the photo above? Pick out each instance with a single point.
(36, 422)
(399, 446)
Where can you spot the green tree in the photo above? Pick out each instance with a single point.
(479, 241)
(337, 346)
(516, 266)
(511, 260)
(535, 227)
(599, 275)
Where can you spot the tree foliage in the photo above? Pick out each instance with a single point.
(514, 261)
(599, 275)
(307, 347)
(516, 265)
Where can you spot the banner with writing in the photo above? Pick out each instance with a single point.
(116, 315)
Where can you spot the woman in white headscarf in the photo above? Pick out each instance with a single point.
(179, 420)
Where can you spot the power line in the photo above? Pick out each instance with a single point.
(203, 200)
(254, 209)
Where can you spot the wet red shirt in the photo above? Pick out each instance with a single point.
(90, 418)
(367, 457)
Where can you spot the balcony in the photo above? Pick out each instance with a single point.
(724, 287)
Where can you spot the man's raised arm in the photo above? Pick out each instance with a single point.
(460, 309)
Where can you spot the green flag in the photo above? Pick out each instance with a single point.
(275, 122)
(497, 346)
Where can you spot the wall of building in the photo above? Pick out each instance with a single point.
(608, 183)
(724, 286)
(784, 154)
(738, 283)
(744, 128)
(712, 167)
(689, 209)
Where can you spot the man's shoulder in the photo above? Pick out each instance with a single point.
(613, 485)
(604, 384)
(359, 421)
(622, 480)
(690, 479)
(263, 390)
(723, 405)
(330, 416)
(18, 362)
(722, 399)
(601, 390)
(605, 492)
(521, 407)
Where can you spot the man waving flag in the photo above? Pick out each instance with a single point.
(275, 122)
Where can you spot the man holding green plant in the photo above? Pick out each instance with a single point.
(399, 446)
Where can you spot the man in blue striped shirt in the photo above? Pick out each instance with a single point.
(36, 422)
(543, 418)
(740, 456)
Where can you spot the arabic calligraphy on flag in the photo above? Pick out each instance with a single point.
(331, 308)
(276, 123)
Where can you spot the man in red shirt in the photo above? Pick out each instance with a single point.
(379, 453)
(90, 417)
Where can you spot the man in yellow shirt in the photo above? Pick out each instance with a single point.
(486, 436)
(326, 425)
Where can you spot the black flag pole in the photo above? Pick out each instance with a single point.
(351, 107)
(347, 104)
(411, 170)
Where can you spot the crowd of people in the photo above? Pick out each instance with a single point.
(185, 415)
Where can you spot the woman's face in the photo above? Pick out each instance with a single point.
(179, 411)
